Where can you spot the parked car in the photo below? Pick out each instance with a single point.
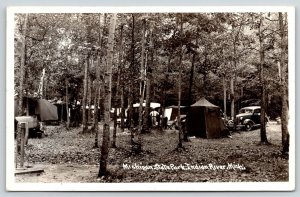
(248, 118)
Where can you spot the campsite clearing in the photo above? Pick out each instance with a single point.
(67, 156)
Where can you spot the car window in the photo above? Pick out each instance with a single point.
(257, 111)
(246, 111)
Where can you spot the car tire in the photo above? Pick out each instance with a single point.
(248, 126)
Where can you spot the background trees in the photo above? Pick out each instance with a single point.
(233, 59)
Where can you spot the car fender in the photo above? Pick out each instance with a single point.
(248, 121)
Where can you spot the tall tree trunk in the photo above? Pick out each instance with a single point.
(122, 108)
(107, 106)
(130, 88)
(225, 97)
(165, 88)
(190, 93)
(96, 104)
(232, 82)
(89, 98)
(284, 88)
(27, 114)
(191, 79)
(142, 89)
(148, 85)
(180, 132)
(263, 133)
(142, 81)
(20, 90)
(98, 84)
(41, 85)
(67, 103)
(234, 76)
(147, 108)
(86, 77)
(116, 97)
(84, 99)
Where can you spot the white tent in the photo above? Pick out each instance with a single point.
(152, 105)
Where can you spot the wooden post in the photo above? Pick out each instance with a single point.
(18, 141)
(20, 144)
(22, 135)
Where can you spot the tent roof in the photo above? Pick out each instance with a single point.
(203, 103)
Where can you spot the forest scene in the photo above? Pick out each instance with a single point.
(151, 97)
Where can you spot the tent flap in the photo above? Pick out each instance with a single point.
(46, 110)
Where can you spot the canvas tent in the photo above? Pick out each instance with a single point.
(46, 110)
(171, 112)
(41, 107)
(152, 105)
(204, 120)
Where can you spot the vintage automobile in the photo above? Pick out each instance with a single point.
(248, 118)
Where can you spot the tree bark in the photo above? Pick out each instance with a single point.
(263, 133)
(86, 78)
(225, 96)
(147, 108)
(22, 68)
(96, 104)
(122, 108)
(106, 127)
(41, 85)
(67, 103)
(117, 88)
(89, 98)
(142, 89)
(190, 93)
(284, 88)
(27, 127)
(85, 87)
(130, 88)
(98, 83)
(180, 132)
(191, 79)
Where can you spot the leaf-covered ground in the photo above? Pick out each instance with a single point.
(68, 156)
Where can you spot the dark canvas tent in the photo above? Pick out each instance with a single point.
(204, 120)
(46, 110)
(41, 107)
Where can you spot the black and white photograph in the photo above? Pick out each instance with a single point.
(150, 98)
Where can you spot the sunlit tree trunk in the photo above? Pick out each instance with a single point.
(96, 104)
(263, 133)
(86, 77)
(98, 83)
(284, 88)
(84, 99)
(107, 106)
(116, 97)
